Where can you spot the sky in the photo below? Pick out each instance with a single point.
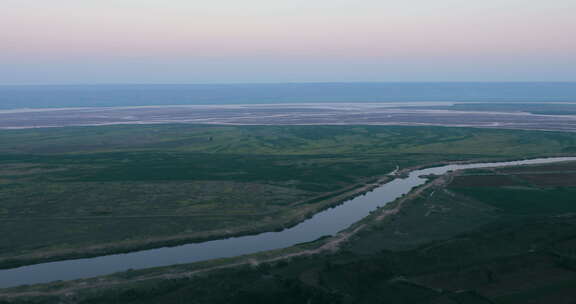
(223, 41)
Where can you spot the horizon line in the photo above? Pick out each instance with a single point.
(283, 83)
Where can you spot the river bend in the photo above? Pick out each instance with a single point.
(327, 222)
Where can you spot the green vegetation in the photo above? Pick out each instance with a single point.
(526, 201)
(445, 246)
(506, 261)
(99, 190)
(534, 190)
(482, 237)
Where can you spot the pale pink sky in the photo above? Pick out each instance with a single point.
(262, 41)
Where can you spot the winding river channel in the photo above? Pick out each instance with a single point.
(327, 222)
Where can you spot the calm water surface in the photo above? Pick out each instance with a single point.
(328, 222)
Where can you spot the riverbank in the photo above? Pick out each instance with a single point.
(320, 246)
(305, 210)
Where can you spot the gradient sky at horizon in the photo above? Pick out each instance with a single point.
(218, 41)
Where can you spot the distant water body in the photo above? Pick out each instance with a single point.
(62, 96)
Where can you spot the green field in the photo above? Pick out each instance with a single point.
(445, 246)
(98, 190)
(477, 239)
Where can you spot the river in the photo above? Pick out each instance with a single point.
(328, 222)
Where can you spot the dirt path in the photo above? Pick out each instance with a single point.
(439, 181)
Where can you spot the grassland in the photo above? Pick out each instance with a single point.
(99, 190)
(505, 235)
(447, 245)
